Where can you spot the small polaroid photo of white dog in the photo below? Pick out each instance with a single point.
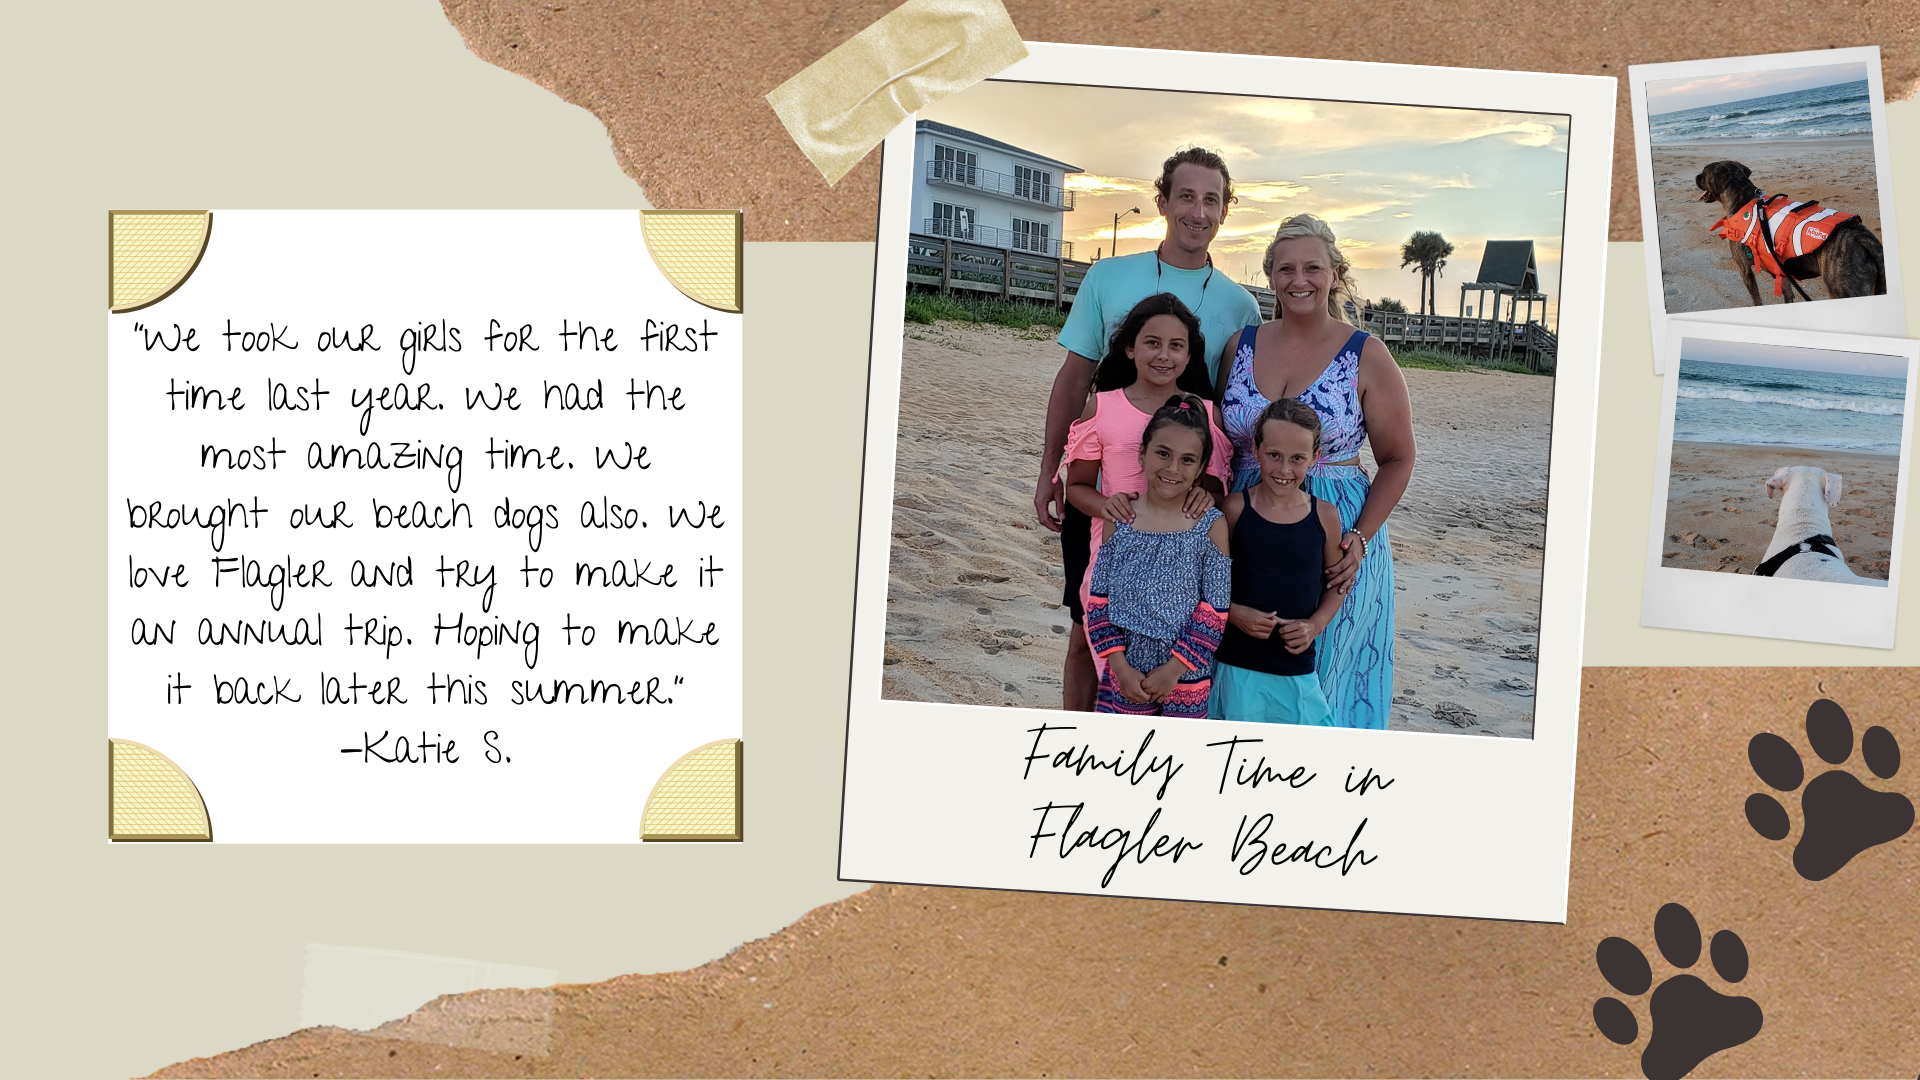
(1766, 194)
(1781, 489)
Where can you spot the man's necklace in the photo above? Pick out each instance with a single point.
(1159, 264)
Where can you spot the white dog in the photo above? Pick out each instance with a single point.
(1802, 545)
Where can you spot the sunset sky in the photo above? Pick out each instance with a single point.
(1376, 173)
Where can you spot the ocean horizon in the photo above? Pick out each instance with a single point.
(1770, 406)
(1824, 111)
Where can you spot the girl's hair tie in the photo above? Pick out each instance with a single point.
(1186, 404)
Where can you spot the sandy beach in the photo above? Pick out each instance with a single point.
(1696, 266)
(974, 583)
(1720, 518)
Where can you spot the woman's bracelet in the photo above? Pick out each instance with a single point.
(1363, 543)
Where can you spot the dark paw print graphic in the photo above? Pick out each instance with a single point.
(1689, 1021)
(1844, 817)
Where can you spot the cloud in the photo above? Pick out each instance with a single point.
(1279, 110)
(1095, 184)
(1404, 214)
(1334, 215)
(1258, 191)
(1233, 150)
(1519, 132)
(1306, 128)
(1435, 183)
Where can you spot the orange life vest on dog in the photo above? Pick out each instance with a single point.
(1798, 228)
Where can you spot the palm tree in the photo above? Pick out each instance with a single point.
(1427, 252)
(1390, 304)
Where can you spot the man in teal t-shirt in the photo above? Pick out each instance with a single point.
(1192, 194)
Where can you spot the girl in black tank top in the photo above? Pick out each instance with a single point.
(1276, 569)
(1283, 539)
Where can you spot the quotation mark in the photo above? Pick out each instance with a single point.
(1844, 817)
(1689, 1020)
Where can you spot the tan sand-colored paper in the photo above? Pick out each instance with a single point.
(699, 796)
(699, 252)
(151, 798)
(905, 980)
(844, 103)
(149, 255)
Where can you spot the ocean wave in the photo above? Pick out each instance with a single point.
(1689, 375)
(1757, 136)
(1871, 408)
(1749, 112)
(1817, 117)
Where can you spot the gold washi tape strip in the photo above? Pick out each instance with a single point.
(699, 797)
(844, 103)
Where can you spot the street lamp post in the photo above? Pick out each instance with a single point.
(1116, 227)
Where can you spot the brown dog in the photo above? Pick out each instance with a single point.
(1851, 262)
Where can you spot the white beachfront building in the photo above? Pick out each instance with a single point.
(969, 187)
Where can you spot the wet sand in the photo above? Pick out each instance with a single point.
(1719, 516)
(1697, 268)
(974, 583)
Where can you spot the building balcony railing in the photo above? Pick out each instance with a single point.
(988, 236)
(954, 174)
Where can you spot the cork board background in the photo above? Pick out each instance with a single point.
(377, 104)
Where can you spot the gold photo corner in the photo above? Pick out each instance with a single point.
(699, 797)
(699, 253)
(151, 798)
(150, 254)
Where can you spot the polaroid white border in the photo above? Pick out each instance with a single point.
(1824, 611)
(934, 794)
(1855, 314)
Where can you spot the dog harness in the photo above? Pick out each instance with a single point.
(1822, 544)
(1775, 229)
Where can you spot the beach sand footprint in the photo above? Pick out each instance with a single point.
(1843, 817)
(1688, 1020)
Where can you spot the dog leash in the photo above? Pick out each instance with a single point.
(1766, 237)
(1822, 544)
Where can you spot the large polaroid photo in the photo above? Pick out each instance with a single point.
(1472, 209)
(1766, 193)
(1781, 489)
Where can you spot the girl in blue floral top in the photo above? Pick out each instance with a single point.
(1161, 584)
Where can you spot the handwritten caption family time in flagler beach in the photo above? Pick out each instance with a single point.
(350, 538)
(1067, 829)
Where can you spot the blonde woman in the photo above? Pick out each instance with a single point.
(1311, 352)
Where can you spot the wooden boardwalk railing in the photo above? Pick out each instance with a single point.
(1525, 343)
(949, 265)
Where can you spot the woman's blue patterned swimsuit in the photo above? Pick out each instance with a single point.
(1356, 650)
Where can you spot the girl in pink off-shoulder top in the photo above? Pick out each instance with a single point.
(1145, 365)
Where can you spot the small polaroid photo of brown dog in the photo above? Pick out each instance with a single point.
(1765, 193)
(1781, 490)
